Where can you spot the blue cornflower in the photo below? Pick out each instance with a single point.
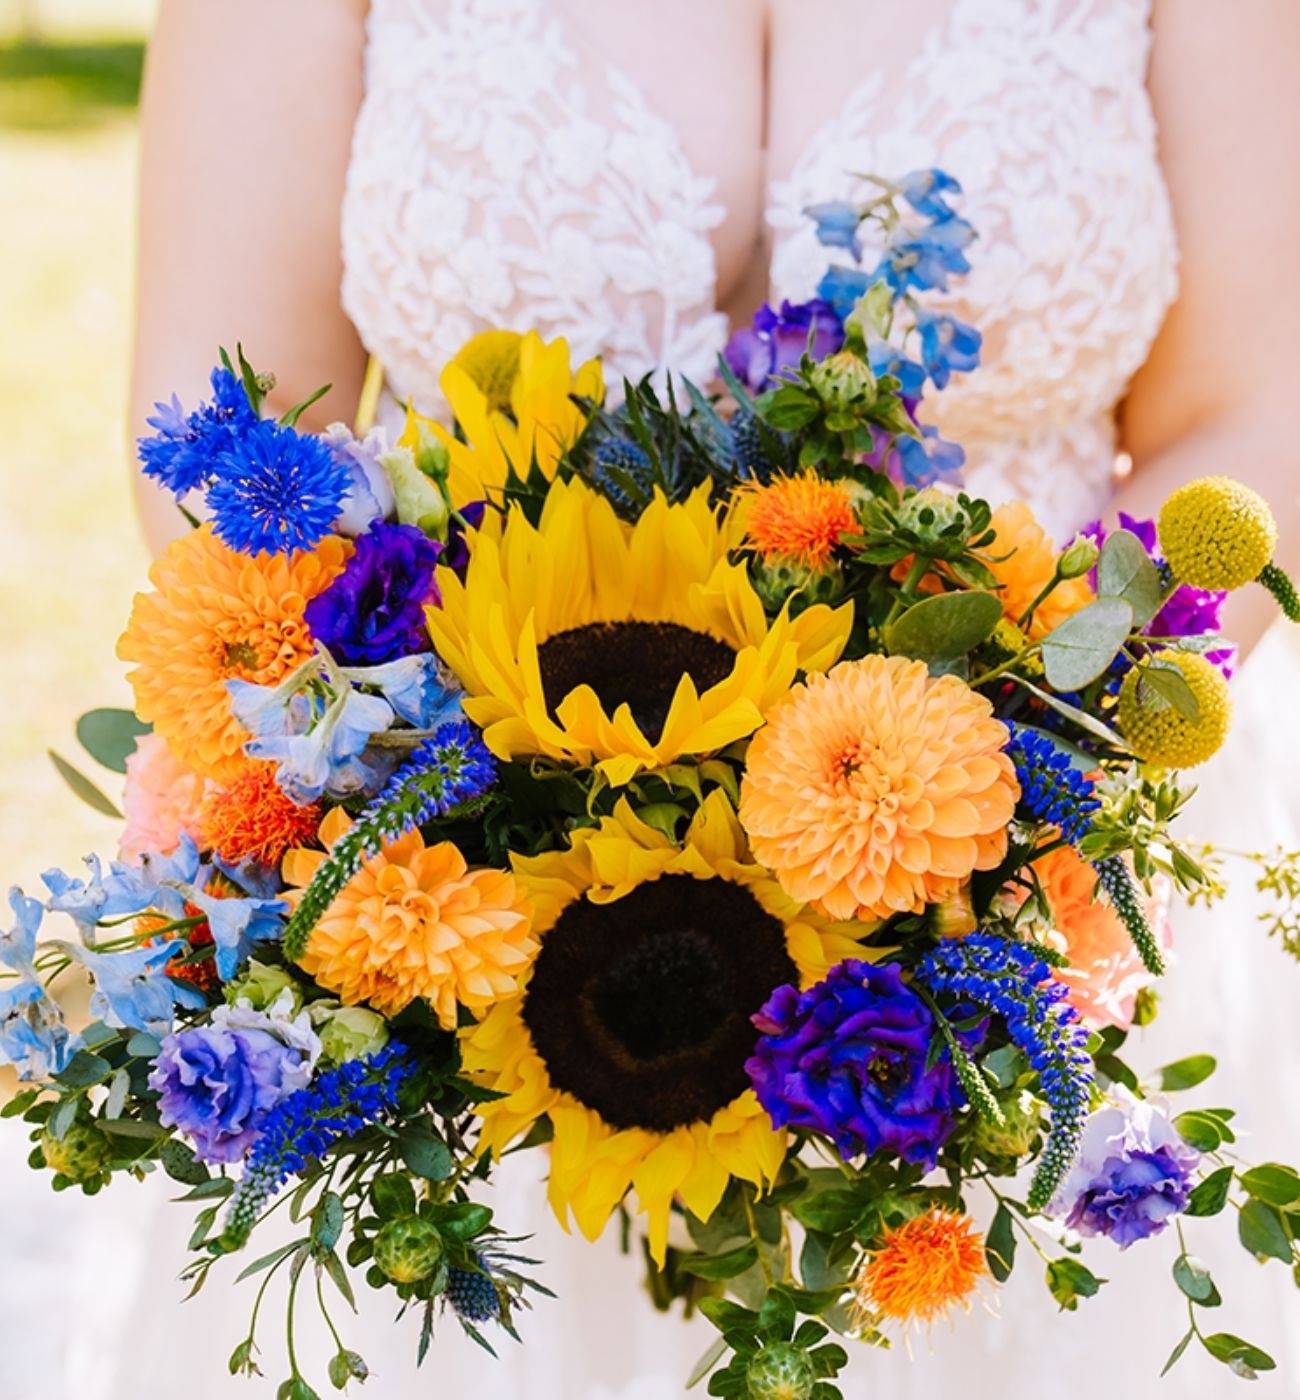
(948, 346)
(1012, 981)
(929, 459)
(922, 260)
(276, 490)
(305, 1125)
(843, 288)
(183, 450)
(837, 224)
(1051, 786)
(924, 190)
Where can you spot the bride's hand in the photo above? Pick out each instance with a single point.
(247, 122)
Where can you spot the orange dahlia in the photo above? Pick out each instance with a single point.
(1028, 569)
(877, 789)
(1105, 971)
(415, 921)
(925, 1267)
(799, 518)
(251, 818)
(217, 615)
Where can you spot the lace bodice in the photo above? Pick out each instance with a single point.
(500, 178)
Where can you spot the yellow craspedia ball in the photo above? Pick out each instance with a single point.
(491, 359)
(1162, 734)
(1217, 533)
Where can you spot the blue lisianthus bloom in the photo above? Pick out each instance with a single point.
(930, 459)
(842, 288)
(33, 1037)
(217, 1083)
(760, 355)
(948, 345)
(837, 224)
(919, 261)
(415, 687)
(924, 190)
(374, 610)
(276, 490)
(1133, 1173)
(183, 449)
(850, 1058)
(132, 987)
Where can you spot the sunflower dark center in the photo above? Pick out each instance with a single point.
(641, 1008)
(634, 663)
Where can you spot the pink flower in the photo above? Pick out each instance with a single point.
(161, 799)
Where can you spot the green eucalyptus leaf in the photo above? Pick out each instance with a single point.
(1211, 1195)
(1273, 1183)
(1160, 683)
(719, 1266)
(424, 1153)
(327, 1223)
(1088, 723)
(1125, 570)
(1187, 1073)
(1068, 1280)
(1200, 1131)
(392, 1195)
(82, 787)
(944, 627)
(1176, 1355)
(1261, 1231)
(1193, 1279)
(1229, 1349)
(110, 736)
(1000, 1245)
(1080, 649)
(83, 1070)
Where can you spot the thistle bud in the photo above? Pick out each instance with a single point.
(843, 380)
(81, 1154)
(408, 1249)
(778, 580)
(780, 1371)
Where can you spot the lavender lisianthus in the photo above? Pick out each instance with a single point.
(218, 1082)
(777, 340)
(1133, 1173)
(847, 1058)
(374, 610)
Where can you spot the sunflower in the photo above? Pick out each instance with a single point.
(591, 640)
(215, 615)
(543, 421)
(633, 1028)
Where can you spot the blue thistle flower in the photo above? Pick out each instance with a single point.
(1011, 980)
(619, 464)
(472, 1293)
(304, 1126)
(183, 450)
(276, 490)
(446, 770)
(1051, 786)
(748, 460)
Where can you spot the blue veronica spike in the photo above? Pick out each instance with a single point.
(1011, 980)
(303, 1127)
(1051, 786)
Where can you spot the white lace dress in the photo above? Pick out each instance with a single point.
(500, 177)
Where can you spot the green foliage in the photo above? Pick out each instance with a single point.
(109, 736)
(82, 786)
(1125, 570)
(944, 627)
(1080, 649)
(56, 85)
(1068, 1281)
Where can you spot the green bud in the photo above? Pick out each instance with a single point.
(348, 1032)
(780, 1371)
(1023, 1122)
(954, 915)
(930, 512)
(777, 580)
(408, 1249)
(261, 986)
(1077, 558)
(420, 500)
(843, 380)
(81, 1154)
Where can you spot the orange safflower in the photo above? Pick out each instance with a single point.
(415, 921)
(216, 615)
(251, 818)
(877, 789)
(925, 1267)
(799, 518)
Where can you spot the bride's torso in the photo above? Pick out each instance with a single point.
(619, 175)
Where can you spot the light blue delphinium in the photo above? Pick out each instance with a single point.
(843, 288)
(33, 1036)
(948, 346)
(924, 190)
(158, 882)
(929, 459)
(837, 222)
(132, 988)
(921, 260)
(414, 686)
(887, 358)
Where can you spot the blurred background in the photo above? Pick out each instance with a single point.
(69, 78)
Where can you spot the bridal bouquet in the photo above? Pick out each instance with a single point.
(704, 792)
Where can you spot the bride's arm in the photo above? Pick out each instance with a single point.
(1220, 392)
(247, 119)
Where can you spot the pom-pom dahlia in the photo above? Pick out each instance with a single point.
(877, 789)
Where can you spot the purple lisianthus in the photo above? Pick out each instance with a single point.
(1132, 1175)
(777, 341)
(217, 1083)
(847, 1058)
(1190, 612)
(374, 609)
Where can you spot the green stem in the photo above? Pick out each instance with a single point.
(1003, 667)
(752, 1221)
(1044, 593)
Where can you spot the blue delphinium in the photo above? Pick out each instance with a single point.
(841, 288)
(929, 459)
(924, 190)
(920, 260)
(33, 1037)
(886, 358)
(415, 686)
(131, 986)
(948, 345)
(1051, 786)
(183, 450)
(276, 490)
(304, 1125)
(837, 223)
(1012, 981)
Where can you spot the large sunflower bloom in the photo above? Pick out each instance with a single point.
(217, 615)
(591, 640)
(633, 1028)
(542, 424)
